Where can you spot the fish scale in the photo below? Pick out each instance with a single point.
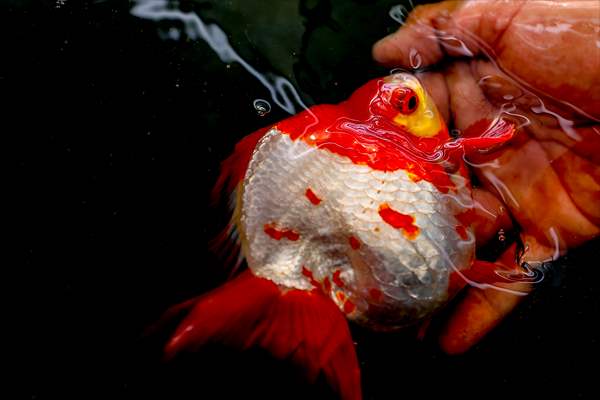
(412, 274)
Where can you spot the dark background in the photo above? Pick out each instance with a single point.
(117, 134)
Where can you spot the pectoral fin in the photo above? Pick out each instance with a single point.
(485, 134)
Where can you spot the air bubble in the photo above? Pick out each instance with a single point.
(415, 59)
(501, 235)
(262, 107)
(398, 13)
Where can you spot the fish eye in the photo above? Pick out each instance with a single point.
(405, 100)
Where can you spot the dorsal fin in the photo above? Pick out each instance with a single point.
(234, 167)
(227, 244)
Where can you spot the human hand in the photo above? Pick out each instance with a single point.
(536, 63)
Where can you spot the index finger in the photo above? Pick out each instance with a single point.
(416, 36)
(450, 28)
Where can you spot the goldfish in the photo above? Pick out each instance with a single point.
(359, 211)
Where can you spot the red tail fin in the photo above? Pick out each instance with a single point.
(305, 327)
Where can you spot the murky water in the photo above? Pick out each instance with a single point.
(124, 113)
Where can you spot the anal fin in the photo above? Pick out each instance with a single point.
(505, 270)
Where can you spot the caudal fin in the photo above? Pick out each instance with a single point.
(305, 327)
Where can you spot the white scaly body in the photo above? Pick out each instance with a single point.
(411, 275)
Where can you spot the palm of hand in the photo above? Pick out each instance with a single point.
(544, 77)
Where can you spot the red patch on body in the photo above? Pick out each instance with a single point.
(399, 220)
(278, 234)
(327, 284)
(337, 280)
(349, 307)
(308, 273)
(376, 294)
(362, 129)
(467, 217)
(354, 243)
(341, 296)
(312, 197)
(462, 232)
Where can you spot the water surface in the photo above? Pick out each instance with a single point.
(120, 124)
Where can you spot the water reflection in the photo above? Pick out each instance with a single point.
(282, 91)
(400, 222)
(484, 85)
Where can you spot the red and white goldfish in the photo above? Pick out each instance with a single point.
(358, 211)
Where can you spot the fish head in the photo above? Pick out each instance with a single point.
(400, 104)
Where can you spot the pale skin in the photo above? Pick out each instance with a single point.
(539, 62)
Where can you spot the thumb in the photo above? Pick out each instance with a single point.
(477, 314)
